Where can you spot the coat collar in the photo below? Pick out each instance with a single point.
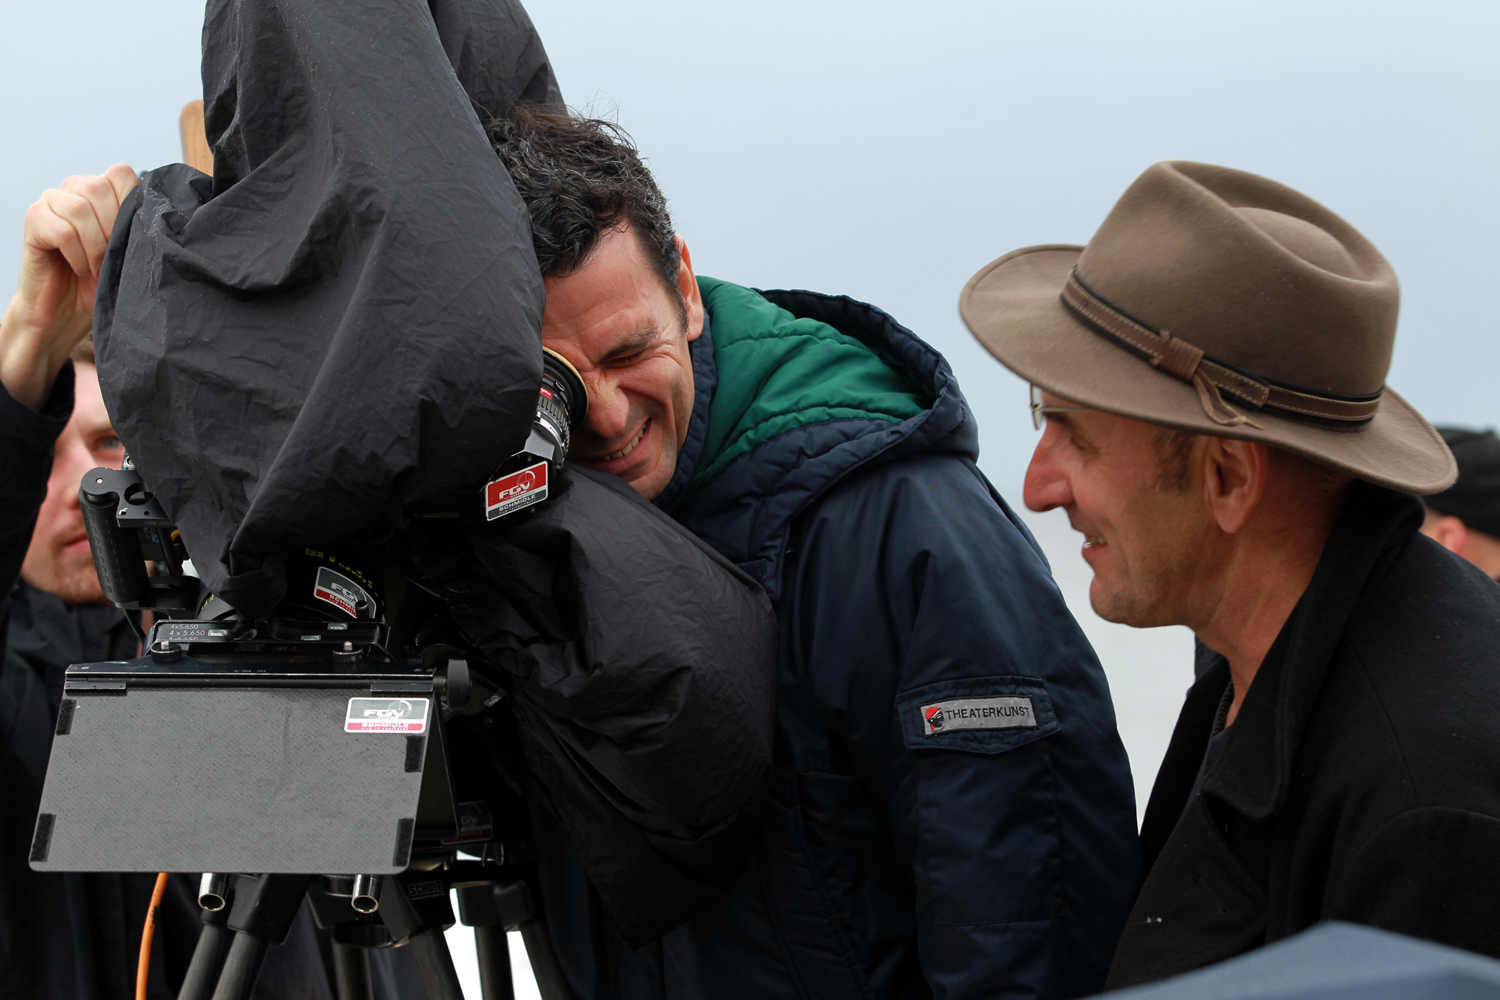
(747, 511)
(705, 381)
(1254, 771)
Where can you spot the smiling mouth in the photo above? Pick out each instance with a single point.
(612, 456)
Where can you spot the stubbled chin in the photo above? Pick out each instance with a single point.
(652, 480)
(652, 476)
(649, 468)
(74, 588)
(1103, 603)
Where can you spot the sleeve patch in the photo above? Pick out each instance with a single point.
(978, 713)
(983, 714)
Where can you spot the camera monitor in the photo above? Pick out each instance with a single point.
(197, 757)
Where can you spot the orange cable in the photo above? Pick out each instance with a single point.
(143, 967)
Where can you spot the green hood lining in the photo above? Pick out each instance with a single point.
(778, 372)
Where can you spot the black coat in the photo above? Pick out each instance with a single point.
(1361, 780)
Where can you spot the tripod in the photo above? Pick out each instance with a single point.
(243, 915)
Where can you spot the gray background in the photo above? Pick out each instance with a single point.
(887, 151)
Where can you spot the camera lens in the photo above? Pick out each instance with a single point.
(562, 403)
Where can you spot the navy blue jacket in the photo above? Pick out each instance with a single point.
(898, 859)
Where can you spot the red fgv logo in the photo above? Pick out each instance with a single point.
(340, 591)
(521, 482)
(515, 491)
(386, 715)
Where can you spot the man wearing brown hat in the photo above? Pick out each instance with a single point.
(1211, 370)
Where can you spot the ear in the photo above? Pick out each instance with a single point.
(687, 287)
(1449, 532)
(1235, 480)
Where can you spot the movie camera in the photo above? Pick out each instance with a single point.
(347, 748)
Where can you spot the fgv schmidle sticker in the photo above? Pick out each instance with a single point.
(1011, 712)
(474, 823)
(386, 715)
(517, 490)
(340, 591)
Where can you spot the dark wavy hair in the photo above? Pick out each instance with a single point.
(581, 177)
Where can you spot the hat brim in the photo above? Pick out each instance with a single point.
(1013, 307)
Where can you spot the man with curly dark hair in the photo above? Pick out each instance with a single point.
(951, 812)
(590, 196)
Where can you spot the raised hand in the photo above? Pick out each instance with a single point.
(66, 233)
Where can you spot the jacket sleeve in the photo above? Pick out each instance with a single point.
(969, 704)
(1431, 872)
(26, 440)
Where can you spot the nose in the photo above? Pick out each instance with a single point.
(69, 463)
(609, 409)
(1047, 484)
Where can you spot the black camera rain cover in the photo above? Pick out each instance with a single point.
(640, 667)
(344, 319)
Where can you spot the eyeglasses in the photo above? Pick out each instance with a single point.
(1040, 411)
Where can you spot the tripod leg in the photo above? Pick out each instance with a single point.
(509, 903)
(435, 963)
(241, 967)
(263, 911)
(351, 971)
(495, 981)
(544, 965)
(208, 957)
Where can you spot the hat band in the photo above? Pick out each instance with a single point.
(1182, 359)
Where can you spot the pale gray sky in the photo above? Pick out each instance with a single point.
(887, 151)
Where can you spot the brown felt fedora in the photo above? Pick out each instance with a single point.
(1220, 302)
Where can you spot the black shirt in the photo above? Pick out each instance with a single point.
(1216, 740)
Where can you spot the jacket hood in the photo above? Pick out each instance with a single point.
(806, 390)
